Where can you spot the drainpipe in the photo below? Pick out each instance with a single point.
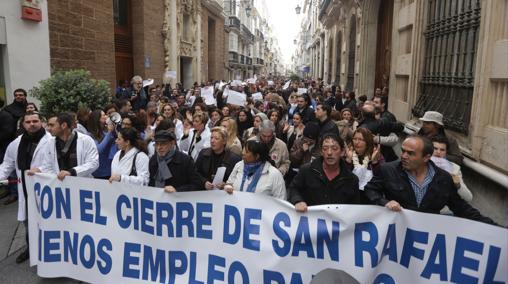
(487, 172)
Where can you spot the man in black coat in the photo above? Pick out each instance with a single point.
(171, 169)
(326, 125)
(304, 108)
(416, 183)
(326, 180)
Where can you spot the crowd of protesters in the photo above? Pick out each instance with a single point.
(300, 141)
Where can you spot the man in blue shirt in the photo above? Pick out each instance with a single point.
(416, 183)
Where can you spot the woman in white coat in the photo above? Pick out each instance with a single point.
(255, 173)
(130, 164)
(197, 138)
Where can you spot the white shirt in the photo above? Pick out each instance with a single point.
(123, 167)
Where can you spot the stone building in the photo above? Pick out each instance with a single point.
(117, 39)
(447, 56)
(24, 49)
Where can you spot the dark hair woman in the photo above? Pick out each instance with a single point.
(130, 164)
(255, 173)
(104, 136)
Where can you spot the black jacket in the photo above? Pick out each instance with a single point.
(383, 128)
(313, 187)
(328, 126)
(206, 169)
(185, 177)
(391, 182)
(307, 114)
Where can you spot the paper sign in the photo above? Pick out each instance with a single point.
(207, 94)
(302, 91)
(257, 96)
(236, 98)
(219, 176)
(286, 85)
(364, 176)
(236, 83)
(271, 83)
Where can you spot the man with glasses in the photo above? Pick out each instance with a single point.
(135, 94)
(172, 169)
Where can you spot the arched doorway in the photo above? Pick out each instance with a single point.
(384, 44)
(351, 55)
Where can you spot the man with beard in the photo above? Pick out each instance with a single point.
(135, 94)
(304, 108)
(380, 103)
(325, 180)
(70, 153)
(278, 149)
(24, 153)
(416, 183)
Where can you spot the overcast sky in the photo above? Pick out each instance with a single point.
(285, 24)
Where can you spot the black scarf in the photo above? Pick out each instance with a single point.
(27, 147)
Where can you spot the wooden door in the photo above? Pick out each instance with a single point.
(384, 44)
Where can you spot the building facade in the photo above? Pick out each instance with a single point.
(121, 38)
(24, 49)
(446, 56)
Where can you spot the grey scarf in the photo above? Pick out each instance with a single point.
(163, 172)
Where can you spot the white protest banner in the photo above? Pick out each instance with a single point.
(236, 98)
(286, 85)
(99, 232)
(301, 91)
(270, 83)
(207, 94)
(257, 96)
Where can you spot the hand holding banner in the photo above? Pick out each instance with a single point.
(75, 224)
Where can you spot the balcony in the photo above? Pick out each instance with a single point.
(242, 59)
(248, 60)
(247, 33)
(260, 61)
(233, 57)
(234, 22)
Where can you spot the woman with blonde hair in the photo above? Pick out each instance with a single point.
(233, 143)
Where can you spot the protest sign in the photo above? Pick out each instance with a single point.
(301, 91)
(236, 98)
(257, 96)
(286, 85)
(207, 94)
(102, 232)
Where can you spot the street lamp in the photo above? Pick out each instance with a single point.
(298, 9)
(248, 9)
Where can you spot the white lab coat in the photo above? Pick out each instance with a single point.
(185, 143)
(123, 167)
(10, 164)
(270, 183)
(87, 156)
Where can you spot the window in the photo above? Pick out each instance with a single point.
(186, 27)
(120, 12)
(451, 40)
